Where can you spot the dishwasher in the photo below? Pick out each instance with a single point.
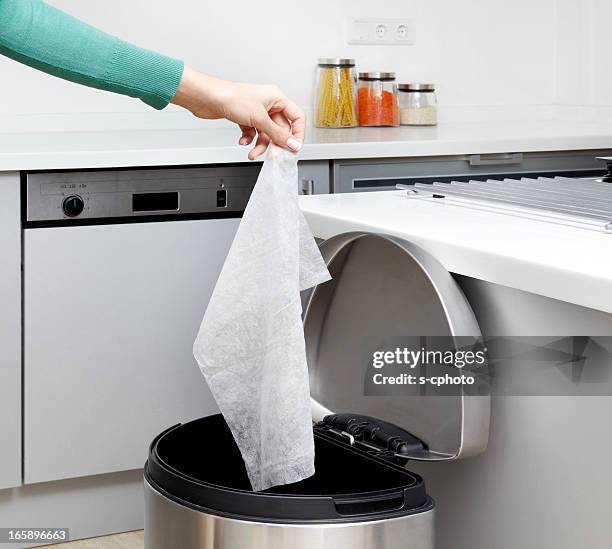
(118, 267)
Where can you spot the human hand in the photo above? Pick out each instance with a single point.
(255, 108)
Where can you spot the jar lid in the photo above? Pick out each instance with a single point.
(416, 87)
(376, 75)
(336, 62)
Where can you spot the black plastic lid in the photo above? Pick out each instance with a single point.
(198, 465)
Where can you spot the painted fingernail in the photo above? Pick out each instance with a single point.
(294, 144)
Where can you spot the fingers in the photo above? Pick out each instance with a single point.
(278, 118)
(279, 135)
(282, 123)
(248, 134)
(297, 117)
(260, 146)
(263, 140)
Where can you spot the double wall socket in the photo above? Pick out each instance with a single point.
(388, 32)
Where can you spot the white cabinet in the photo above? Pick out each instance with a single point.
(10, 331)
(109, 330)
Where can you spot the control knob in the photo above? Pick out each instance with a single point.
(73, 205)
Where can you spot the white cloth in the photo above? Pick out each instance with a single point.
(250, 346)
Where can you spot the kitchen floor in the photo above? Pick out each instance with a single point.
(129, 540)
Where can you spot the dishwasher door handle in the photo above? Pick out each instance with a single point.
(496, 160)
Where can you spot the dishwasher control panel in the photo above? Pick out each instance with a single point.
(128, 193)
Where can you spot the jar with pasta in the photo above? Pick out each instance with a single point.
(335, 94)
(377, 99)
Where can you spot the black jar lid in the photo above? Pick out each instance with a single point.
(336, 62)
(414, 87)
(198, 465)
(377, 75)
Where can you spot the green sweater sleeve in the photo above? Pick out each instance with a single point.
(43, 37)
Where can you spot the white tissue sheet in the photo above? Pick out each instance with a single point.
(250, 346)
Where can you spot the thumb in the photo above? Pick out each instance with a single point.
(279, 135)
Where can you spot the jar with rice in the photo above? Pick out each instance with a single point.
(418, 104)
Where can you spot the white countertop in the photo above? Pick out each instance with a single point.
(574, 265)
(111, 140)
(557, 261)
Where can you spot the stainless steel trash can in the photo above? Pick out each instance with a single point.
(362, 495)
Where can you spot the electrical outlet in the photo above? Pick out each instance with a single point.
(387, 32)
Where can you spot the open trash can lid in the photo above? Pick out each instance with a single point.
(198, 465)
(384, 288)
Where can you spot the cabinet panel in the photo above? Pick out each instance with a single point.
(111, 313)
(313, 177)
(10, 331)
(384, 174)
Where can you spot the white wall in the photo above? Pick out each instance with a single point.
(584, 47)
(600, 41)
(494, 52)
(573, 55)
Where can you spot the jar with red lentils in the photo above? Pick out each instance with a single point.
(377, 99)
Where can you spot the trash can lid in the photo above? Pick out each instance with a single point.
(198, 465)
(384, 289)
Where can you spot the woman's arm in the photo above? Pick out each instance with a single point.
(48, 39)
(43, 37)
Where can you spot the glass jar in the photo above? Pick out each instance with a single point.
(377, 99)
(418, 104)
(335, 94)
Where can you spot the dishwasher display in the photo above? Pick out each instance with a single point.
(99, 195)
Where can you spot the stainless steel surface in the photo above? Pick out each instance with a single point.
(172, 526)
(377, 75)
(340, 61)
(561, 199)
(384, 287)
(416, 87)
(496, 160)
(109, 193)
